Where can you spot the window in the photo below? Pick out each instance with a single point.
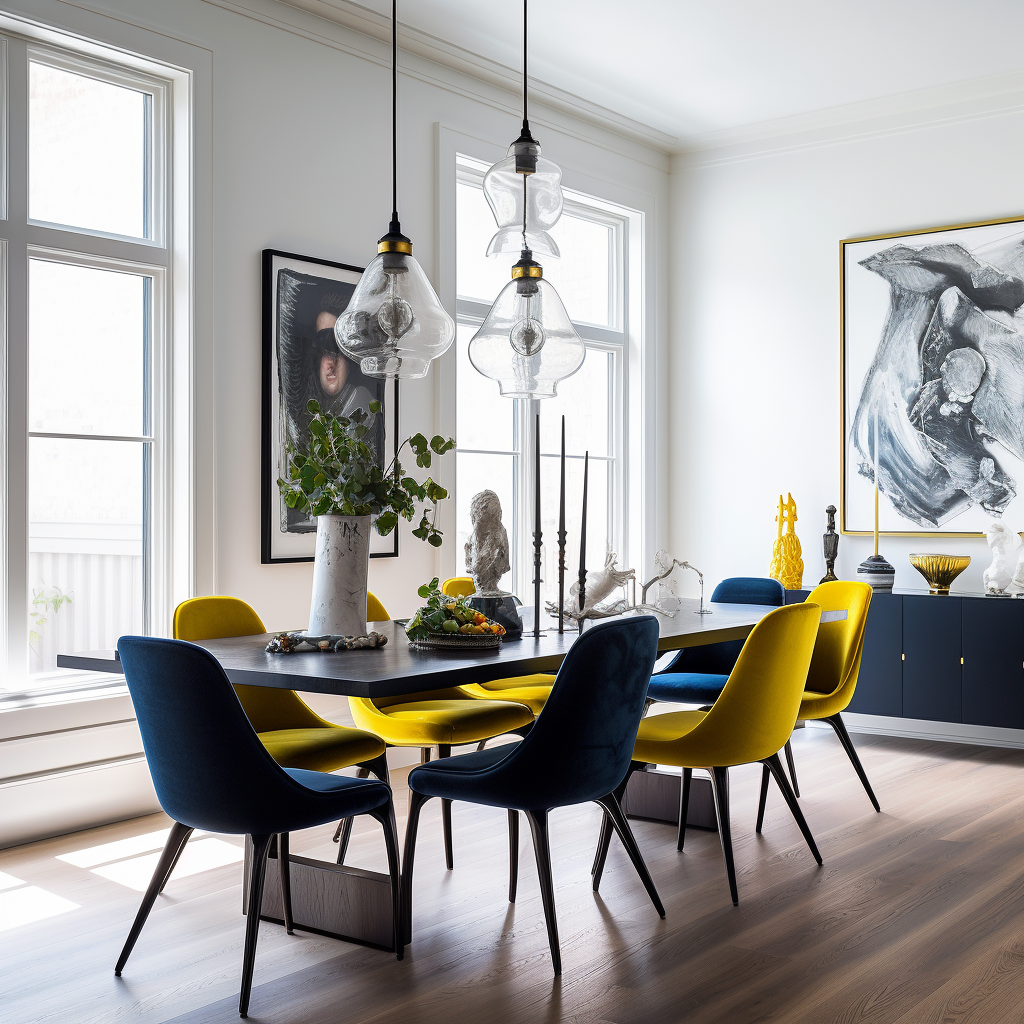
(88, 359)
(496, 436)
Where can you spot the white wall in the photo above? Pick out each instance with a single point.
(754, 323)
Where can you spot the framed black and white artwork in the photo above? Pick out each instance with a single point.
(302, 298)
(932, 358)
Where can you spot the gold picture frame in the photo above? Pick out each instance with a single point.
(861, 248)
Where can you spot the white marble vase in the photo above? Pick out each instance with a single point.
(338, 604)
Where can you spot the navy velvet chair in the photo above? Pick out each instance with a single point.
(211, 772)
(698, 674)
(578, 750)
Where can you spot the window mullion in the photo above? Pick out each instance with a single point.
(15, 385)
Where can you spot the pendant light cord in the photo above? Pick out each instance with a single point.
(394, 113)
(526, 120)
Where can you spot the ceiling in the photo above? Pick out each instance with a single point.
(688, 68)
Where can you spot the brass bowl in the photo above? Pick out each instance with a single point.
(940, 570)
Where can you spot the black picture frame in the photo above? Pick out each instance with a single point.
(305, 282)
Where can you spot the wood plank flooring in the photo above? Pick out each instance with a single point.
(916, 917)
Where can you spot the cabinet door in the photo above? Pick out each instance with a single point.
(931, 669)
(880, 683)
(993, 673)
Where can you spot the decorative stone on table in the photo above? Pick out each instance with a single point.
(487, 560)
(1006, 553)
(787, 561)
(299, 641)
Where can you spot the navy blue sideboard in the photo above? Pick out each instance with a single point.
(957, 658)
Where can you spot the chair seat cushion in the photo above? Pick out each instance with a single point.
(323, 749)
(814, 705)
(658, 736)
(457, 778)
(686, 687)
(428, 722)
(533, 691)
(329, 797)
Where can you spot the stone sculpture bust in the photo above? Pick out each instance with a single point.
(487, 547)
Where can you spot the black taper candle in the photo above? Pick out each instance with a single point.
(583, 539)
(561, 539)
(536, 534)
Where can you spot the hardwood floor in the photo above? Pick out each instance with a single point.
(916, 917)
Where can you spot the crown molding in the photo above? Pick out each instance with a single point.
(367, 34)
(912, 111)
(439, 51)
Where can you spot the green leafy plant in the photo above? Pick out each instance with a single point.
(338, 474)
(43, 606)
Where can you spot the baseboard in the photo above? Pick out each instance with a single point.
(949, 732)
(46, 805)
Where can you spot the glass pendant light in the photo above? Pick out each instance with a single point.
(520, 210)
(527, 342)
(394, 324)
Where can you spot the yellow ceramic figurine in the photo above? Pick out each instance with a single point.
(787, 563)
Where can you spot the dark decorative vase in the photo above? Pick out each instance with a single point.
(503, 608)
(830, 546)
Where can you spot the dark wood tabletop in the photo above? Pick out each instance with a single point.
(402, 668)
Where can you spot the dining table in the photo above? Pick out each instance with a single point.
(353, 903)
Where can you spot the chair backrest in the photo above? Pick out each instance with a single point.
(582, 742)
(375, 611)
(750, 590)
(209, 768)
(268, 708)
(719, 659)
(756, 712)
(840, 644)
(458, 586)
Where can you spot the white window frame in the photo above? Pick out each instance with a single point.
(164, 258)
(613, 340)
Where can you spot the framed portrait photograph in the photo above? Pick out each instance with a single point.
(932, 389)
(302, 298)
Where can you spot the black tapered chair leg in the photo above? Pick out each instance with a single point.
(165, 865)
(445, 750)
(386, 817)
(763, 799)
(836, 721)
(284, 861)
(684, 806)
(542, 848)
(513, 854)
(605, 838)
(775, 766)
(720, 784)
(416, 802)
(257, 876)
(792, 766)
(375, 766)
(613, 810)
(174, 864)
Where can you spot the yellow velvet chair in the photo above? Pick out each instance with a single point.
(750, 721)
(437, 718)
(294, 734)
(835, 667)
(532, 690)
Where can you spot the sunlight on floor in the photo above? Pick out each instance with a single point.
(199, 855)
(93, 855)
(30, 903)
